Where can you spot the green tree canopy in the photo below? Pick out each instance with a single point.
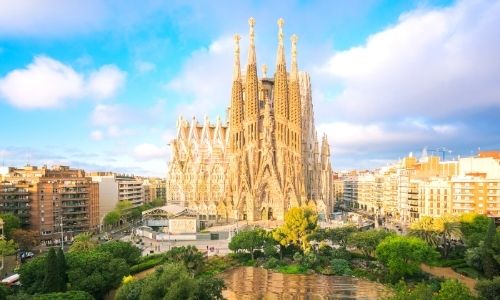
(71, 295)
(51, 282)
(7, 247)
(62, 269)
(95, 272)
(189, 255)
(489, 289)
(112, 218)
(452, 289)
(367, 241)
(340, 235)
(120, 249)
(403, 255)
(473, 227)
(83, 242)
(10, 222)
(300, 224)
(425, 229)
(248, 240)
(26, 239)
(32, 274)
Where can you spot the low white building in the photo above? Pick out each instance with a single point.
(172, 219)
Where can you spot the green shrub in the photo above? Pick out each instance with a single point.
(341, 253)
(292, 269)
(489, 289)
(148, 264)
(469, 272)
(70, 295)
(340, 267)
(271, 263)
(297, 257)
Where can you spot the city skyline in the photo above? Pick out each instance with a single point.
(100, 85)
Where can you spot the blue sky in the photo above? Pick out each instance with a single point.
(99, 84)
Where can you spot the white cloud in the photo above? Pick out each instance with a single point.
(348, 137)
(49, 17)
(96, 135)
(433, 63)
(43, 83)
(148, 151)
(47, 83)
(144, 66)
(106, 115)
(104, 82)
(206, 79)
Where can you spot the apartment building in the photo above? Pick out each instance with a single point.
(16, 199)
(59, 197)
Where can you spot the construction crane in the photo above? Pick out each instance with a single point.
(441, 151)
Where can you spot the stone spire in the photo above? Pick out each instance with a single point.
(251, 49)
(236, 68)
(236, 110)
(251, 90)
(295, 69)
(281, 90)
(280, 56)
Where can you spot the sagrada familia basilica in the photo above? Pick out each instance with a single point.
(265, 159)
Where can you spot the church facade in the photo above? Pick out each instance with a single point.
(265, 159)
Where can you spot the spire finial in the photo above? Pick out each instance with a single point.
(251, 22)
(251, 52)
(264, 71)
(294, 38)
(281, 22)
(280, 58)
(237, 69)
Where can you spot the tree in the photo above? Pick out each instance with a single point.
(83, 242)
(490, 265)
(26, 239)
(249, 240)
(403, 255)
(452, 289)
(123, 207)
(10, 222)
(7, 247)
(448, 228)
(367, 241)
(120, 249)
(158, 202)
(51, 282)
(32, 274)
(209, 288)
(300, 224)
(425, 229)
(473, 227)
(95, 272)
(489, 289)
(171, 281)
(62, 270)
(189, 256)
(340, 235)
(421, 291)
(71, 295)
(112, 218)
(130, 290)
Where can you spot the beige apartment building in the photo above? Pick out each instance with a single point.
(59, 195)
(16, 199)
(428, 187)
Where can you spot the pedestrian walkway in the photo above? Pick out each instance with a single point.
(449, 273)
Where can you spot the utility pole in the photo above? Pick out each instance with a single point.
(62, 233)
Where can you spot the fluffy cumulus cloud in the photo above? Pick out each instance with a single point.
(411, 84)
(43, 83)
(205, 79)
(432, 62)
(104, 82)
(46, 83)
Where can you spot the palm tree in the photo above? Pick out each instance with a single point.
(83, 242)
(426, 230)
(448, 228)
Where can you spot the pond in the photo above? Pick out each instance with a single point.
(259, 283)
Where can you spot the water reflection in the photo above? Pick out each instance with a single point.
(259, 283)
